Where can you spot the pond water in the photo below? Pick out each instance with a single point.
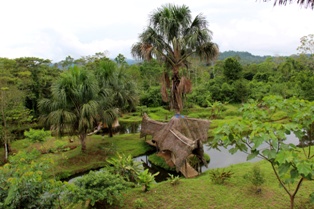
(222, 158)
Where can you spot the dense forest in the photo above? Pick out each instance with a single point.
(28, 80)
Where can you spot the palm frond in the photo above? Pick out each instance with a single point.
(305, 3)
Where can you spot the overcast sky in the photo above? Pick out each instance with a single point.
(54, 29)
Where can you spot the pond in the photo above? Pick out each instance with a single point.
(222, 158)
(218, 159)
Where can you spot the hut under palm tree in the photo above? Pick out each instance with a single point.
(177, 140)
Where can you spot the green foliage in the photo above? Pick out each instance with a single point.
(146, 179)
(59, 146)
(138, 203)
(232, 69)
(26, 183)
(219, 176)
(125, 166)
(98, 189)
(151, 97)
(255, 176)
(257, 130)
(37, 135)
(174, 180)
(216, 109)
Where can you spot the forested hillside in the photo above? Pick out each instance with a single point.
(243, 57)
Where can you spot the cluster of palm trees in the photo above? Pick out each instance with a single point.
(81, 98)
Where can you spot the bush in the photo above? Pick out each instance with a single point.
(255, 176)
(37, 135)
(26, 183)
(174, 180)
(220, 176)
(146, 179)
(98, 189)
(125, 166)
(138, 203)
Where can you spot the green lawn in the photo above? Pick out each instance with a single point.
(200, 193)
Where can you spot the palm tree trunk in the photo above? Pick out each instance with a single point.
(175, 95)
(110, 130)
(83, 143)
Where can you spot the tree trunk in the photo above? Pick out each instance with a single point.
(110, 130)
(83, 143)
(175, 96)
(291, 201)
(6, 152)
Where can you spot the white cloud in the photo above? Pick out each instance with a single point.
(56, 29)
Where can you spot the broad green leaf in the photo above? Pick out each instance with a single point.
(270, 154)
(294, 173)
(233, 150)
(252, 155)
(304, 168)
(257, 140)
(283, 168)
(285, 156)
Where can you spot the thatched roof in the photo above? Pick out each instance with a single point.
(181, 135)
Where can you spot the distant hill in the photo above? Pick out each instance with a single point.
(244, 57)
(131, 61)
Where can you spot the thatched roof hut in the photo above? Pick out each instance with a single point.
(181, 136)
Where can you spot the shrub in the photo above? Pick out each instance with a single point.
(37, 135)
(26, 183)
(125, 166)
(98, 188)
(138, 203)
(174, 180)
(146, 179)
(256, 177)
(220, 176)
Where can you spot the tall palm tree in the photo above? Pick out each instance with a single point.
(172, 36)
(76, 104)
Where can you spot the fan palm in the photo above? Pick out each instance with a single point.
(76, 104)
(118, 88)
(172, 36)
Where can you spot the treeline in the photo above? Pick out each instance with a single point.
(26, 81)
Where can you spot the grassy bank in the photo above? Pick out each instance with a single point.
(68, 158)
(201, 192)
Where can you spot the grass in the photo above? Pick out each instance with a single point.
(200, 192)
(72, 161)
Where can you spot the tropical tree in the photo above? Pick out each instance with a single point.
(117, 86)
(232, 69)
(259, 135)
(35, 79)
(76, 104)
(172, 36)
